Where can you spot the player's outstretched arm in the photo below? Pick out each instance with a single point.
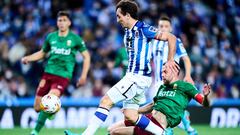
(171, 47)
(86, 66)
(33, 57)
(203, 98)
(146, 109)
(171, 43)
(188, 66)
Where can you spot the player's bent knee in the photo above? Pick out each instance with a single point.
(131, 116)
(106, 102)
(37, 108)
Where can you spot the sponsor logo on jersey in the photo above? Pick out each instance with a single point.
(167, 93)
(62, 51)
(175, 86)
(69, 42)
(136, 34)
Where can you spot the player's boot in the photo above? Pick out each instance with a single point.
(67, 132)
(194, 132)
(34, 132)
(168, 131)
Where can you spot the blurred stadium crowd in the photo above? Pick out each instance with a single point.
(210, 31)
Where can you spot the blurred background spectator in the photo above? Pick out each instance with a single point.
(210, 31)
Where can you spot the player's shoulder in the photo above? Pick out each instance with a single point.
(150, 28)
(75, 36)
(51, 34)
(183, 84)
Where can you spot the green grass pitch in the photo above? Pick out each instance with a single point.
(202, 130)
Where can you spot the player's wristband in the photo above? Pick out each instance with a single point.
(199, 98)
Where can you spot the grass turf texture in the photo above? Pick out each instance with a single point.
(202, 130)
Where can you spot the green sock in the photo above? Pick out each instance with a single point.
(41, 120)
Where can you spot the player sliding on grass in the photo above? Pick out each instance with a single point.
(62, 46)
(168, 107)
(130, 89)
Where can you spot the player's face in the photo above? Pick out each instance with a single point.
(122, 19)
(166, 75)
(63, 23)
(164, 26)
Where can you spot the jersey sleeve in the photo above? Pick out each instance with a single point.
(81, 46)
(191, 90)
(180, 50)
(46, 46)
(149, 31)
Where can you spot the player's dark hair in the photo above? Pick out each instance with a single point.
(177, 64)
(128, 6)
(64, 13)
(165, 18)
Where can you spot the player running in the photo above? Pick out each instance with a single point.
(130, 89)
(62, 46)
(169, 104)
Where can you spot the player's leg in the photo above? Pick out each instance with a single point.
(186, 123)
(123, 131)
(42, 116)
(50, 84)
(141, 121)
(116, 125)
(99, 117)
(114, 95)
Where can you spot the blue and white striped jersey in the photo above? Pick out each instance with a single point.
(160, 54)
(137, 41)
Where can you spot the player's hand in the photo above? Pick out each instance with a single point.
(206, 89)
(25, 60)
(82, 81)
(173, 66)
(188, 79)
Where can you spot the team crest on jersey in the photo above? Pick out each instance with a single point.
(153, 29)
(175, 86)
(136, 34)
(69, 42)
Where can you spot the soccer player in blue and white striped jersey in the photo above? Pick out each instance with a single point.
(159, 50)
(159, 56)
(131, 88)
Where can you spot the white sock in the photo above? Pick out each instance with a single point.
(146, 124)
(99, 117)
(153, 128)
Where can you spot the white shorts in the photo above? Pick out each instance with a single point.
(131, 88)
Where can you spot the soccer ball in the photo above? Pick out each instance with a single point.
(50, 103)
